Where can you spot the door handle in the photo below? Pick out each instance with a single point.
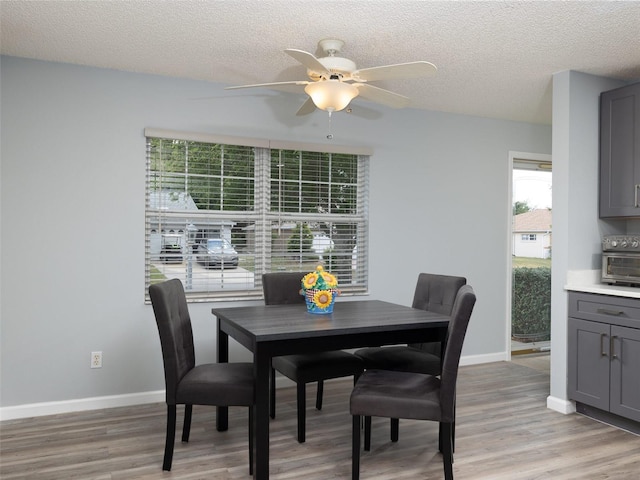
(606, 311)
(613, 350)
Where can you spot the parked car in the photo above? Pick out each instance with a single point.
(217, 252)
(171, 249)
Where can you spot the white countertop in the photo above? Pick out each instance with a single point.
(588, 281)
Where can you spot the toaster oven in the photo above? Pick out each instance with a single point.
(621, 260)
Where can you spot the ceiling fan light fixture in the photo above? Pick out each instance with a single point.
(331, 95)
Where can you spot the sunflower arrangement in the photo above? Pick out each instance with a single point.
(320, 288)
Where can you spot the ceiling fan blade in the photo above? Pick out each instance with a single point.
(400, 70)
(306, 108)
(379, 95)
(273, 84)
(307, 59)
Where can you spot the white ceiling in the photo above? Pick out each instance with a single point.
(495, 59)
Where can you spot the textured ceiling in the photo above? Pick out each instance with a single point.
(495, 59)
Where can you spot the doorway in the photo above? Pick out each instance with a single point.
(530, 256)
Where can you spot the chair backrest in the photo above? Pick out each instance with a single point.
(435, 293)
(176, 336)
(460, 315)
(282, 288)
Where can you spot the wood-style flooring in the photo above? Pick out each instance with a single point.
(504, 432)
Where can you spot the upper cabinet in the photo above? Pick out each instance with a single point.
(620, 152)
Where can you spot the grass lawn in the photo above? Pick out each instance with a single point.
(518, 262)
(156, 275)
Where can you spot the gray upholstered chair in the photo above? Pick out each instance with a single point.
(435, 293)
(281, 288)
(217, 384)
(419, 396)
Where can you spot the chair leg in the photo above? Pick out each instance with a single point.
(272, 394)
(319, 395)
(302, 413)
(355, 447)
(367, 433)
(453, 429)
(171, 434)
(250, 439)
(446, 435)
(186, 427)
(453, 438)
(395, 429)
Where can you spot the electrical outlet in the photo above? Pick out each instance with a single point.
(96, 359)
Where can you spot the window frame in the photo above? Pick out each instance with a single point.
(263, 216)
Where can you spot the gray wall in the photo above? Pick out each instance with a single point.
(577, 231)
(73, 173)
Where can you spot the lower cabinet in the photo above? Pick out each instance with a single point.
(604, 353)
(625, 372)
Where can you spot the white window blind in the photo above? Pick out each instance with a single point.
(219, 215)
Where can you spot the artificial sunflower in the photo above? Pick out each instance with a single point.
(309, 280)
(322, 298)
(329, 279)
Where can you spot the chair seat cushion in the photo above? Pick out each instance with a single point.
(400, 358)
(385, 393)
(221, 384)
(311, 367)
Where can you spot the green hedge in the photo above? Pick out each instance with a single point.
(531, 304)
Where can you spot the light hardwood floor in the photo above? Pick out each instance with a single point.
(504, 432)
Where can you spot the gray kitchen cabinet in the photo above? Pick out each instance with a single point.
(589, 364)
(625, 372)
(620, 152)
(604, 353)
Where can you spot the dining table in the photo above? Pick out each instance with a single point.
(273, 330)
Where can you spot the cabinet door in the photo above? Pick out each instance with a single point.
(620, 152)
(588, 362)
(625, 372)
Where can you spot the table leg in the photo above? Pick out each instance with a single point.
(222, 413)
(262, 369)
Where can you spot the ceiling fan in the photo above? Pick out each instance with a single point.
(334, 81)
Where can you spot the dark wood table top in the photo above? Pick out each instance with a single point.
(264, 323)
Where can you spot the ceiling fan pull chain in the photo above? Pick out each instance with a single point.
(330, 135)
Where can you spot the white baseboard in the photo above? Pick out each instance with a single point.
(486, 358)
(113, 401)
(560, 405)
(80, 405)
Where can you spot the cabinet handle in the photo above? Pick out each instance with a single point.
(602, 337)
(635, 195)
(606, 311)
(613, 350)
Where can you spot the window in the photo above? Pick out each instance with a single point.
(529, 237)
(220, 212)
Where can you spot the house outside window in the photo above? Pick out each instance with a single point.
(529, 237)
(219, 214)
